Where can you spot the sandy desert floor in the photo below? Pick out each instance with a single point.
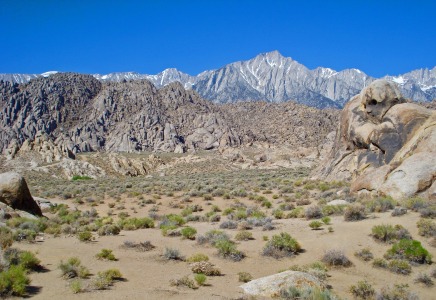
(147, 274)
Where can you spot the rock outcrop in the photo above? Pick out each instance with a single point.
(15, 193)
(384, 145)
(270, 286)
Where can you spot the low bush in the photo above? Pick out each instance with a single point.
(141, 246)
(172, 254)
(355, 212)
(397, 292)
(380, 263)
(336, 258)
(362, 290)
(380, 204)
(227, 249)
(426, 228)
(281, 245)
(313, 212)
(200, 279)
(410, 250)
(198, 257)
(229, 224)
(136, 223)
(84, 236)
(388, 233)
(184, 281)
(244, 235)
(244, 277)
(399, 266)
(109, 229)
(73, 268)
(189, 232)
(76, 286)
(328, 210)
(415, 203)
(306, 293)
(315, 225)
(365, 254)
(326, 220)
(206, 268)
(6, 237)
(424, 278)
(14, 281)
(106, 254)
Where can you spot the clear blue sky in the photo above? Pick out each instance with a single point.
(91, 36)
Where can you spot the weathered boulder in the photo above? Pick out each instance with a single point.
(270, 286)
(384, 145)
(15, 193)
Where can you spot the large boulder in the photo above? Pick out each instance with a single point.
(384, 145)
(15, 193)
(270, 286)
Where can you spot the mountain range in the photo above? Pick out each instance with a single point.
(272, 77)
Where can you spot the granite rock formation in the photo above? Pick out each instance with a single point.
(384, 145)
(15, 193)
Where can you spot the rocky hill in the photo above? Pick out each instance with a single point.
(272, 77)
(79, 113)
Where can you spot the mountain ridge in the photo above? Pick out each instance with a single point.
(272, 77)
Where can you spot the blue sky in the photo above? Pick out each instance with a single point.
(379, 37)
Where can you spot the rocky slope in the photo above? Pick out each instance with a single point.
(79, 113)
(274, 78)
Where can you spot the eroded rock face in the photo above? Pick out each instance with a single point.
(15, 193)
(383, 144)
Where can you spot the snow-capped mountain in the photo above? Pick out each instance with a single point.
(275, 78)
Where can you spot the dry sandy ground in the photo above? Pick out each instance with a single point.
(147, 274)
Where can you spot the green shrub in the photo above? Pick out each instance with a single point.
(329, 210)
(84, 236)
(76, 286)
(6, 237)
(79, 177)
(281, 245)
(200, 278)
(106, 254)
(244, 235)
(415, 203)
(306, 293)
(400, 266)
(388, 233)
(112, 274)
(197, 258)
(244, 277)
(14, 281)
(381, 204)
(189, 233)
(410, 250)
(29, 261)
(227, 249)
(326, 220)
(363, 290)
(73, 268)
(380, 263)
(109, 229)
(315, 225)
(136, 223)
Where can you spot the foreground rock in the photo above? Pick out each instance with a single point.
(15, 193)
(384, 145)
(270, 286)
